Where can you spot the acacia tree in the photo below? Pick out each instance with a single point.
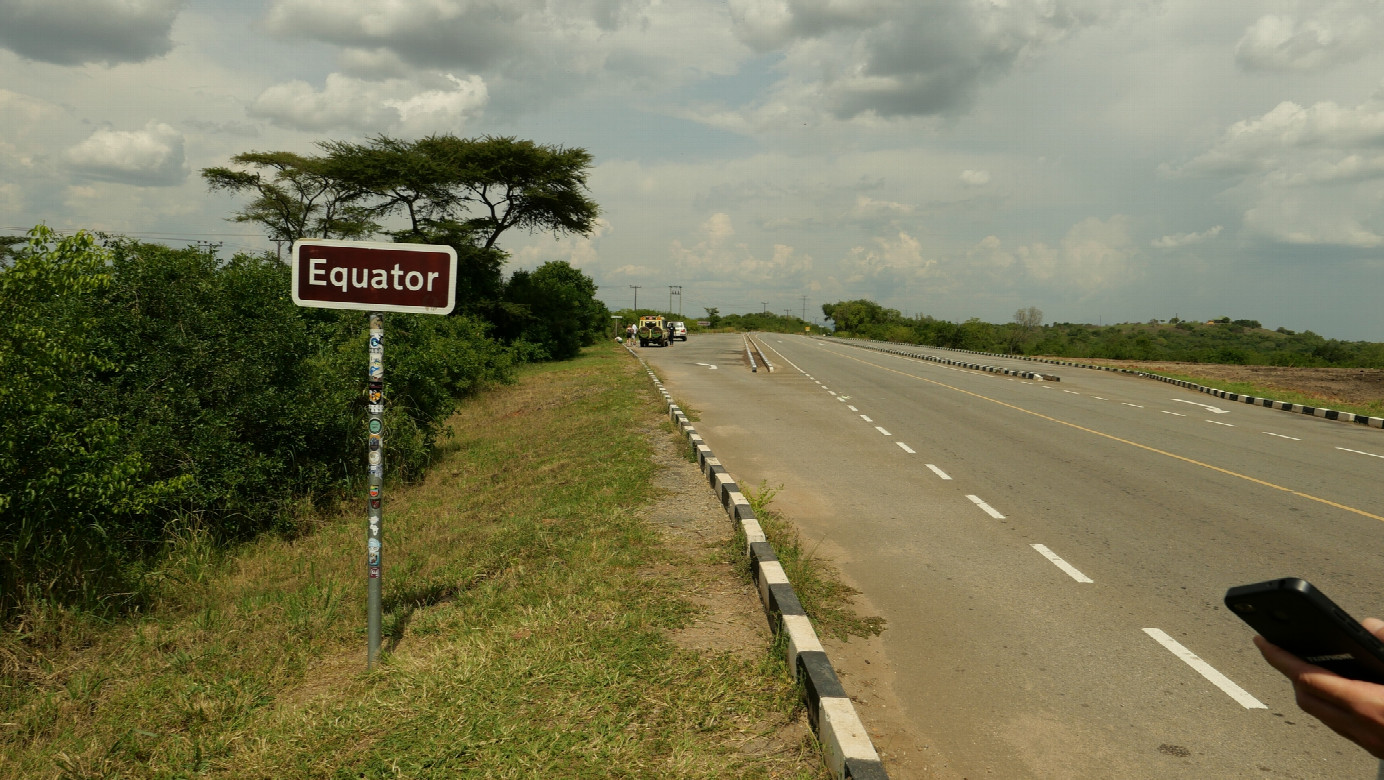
(295, 196)
(462, 189)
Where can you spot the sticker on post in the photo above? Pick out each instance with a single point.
(376, 459)
(374, 572)
(376, 426)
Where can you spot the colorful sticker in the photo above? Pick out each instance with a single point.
(376, 342)
(374, 491)
(375, 426)
(376, 371)
(374, 503)
(374, 442)
(374, 572)
(376, 395)
(376, 459)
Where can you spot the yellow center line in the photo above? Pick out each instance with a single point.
(1111, 437)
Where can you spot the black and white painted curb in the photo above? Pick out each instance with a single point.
(1315, 411)
(894, 349)
(844, 740)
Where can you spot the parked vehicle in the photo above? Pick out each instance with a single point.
(679, 330)
(653, 330)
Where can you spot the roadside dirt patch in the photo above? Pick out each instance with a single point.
(730, 619)
(1356, 386)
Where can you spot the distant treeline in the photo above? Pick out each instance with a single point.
(1222, 340)
(150, 393)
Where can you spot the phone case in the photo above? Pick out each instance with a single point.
(1297, 617)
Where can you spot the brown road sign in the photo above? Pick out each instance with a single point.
(374, 276)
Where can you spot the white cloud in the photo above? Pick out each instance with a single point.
(1303, 174)
(727, 260)
(869, 208)
(898, 257)
(149, 157)
(74, 32)
(1177, 240)
(535, 46)
(1331, 34)
(975, 178)
(580, 251)
(865, 59)
(1094, 256)
(394, 104)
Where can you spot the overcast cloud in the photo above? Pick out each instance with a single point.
(1102, 160)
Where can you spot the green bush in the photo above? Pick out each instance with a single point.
(152, 389)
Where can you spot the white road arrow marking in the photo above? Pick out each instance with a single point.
(1211, 409)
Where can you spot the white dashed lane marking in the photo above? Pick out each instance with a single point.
(1206, 670)
(906, 448)
(881, 430)
(938, 471)
(1358, 452)
(1215, 422)
(866, 418)
(1061, 564)
(989, 510)
(1281, 436)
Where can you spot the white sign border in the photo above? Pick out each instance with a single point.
(431, 248)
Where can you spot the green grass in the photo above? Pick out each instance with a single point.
(824, 596)
(525, 635)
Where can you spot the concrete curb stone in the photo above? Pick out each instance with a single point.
(846, 744)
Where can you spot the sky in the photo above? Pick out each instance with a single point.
(1102, 160)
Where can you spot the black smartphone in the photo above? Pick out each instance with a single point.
(1296, 616)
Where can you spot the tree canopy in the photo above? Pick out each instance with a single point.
(458, 190)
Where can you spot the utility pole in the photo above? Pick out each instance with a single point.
(804, 308)
(678, 293)
(765, 304)
(636, 287)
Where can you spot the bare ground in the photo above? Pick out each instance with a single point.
(730, 618)
(1355, 386)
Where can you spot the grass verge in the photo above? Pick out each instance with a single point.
(1375, 409)
(524, 636)
(824, 596)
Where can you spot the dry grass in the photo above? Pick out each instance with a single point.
(520, 638)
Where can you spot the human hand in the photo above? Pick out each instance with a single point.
(1352, 708)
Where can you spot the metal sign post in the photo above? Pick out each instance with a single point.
(374, 456)
(376, 278)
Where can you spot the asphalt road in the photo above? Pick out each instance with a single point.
(1048, 554)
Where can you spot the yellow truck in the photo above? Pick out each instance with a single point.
(652, 330)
